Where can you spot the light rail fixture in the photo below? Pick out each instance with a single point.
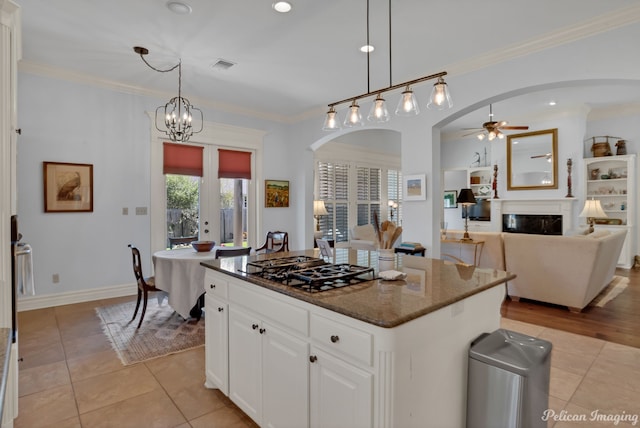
(178, 112)
(407, 106)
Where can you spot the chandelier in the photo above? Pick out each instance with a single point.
(407, 105)
(178, 112)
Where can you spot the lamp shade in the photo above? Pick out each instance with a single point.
(319, 208)
(466, 197)
(592, 208)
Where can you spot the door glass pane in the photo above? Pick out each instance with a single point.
(183, 201)
(233, 211)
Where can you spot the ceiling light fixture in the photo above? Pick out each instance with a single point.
(178, 117)
(281, 6)
(179, 8)
(407, 106)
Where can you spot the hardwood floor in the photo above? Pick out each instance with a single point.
(618, 321)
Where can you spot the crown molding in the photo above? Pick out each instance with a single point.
(75, 77)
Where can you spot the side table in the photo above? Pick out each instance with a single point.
(477, 249)
(412, 251)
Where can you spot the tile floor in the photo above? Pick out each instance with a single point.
(70, 377)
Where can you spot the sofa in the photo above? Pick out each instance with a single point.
(563, 270)
(363, 238)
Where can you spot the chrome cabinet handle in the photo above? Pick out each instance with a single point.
(335, 338)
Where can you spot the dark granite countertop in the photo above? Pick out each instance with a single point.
(430, 285)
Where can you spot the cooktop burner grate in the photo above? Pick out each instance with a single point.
(309, 273)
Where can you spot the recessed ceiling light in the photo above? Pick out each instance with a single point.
(281, 6)
(367, 48)
(179, 8)
(552, 103)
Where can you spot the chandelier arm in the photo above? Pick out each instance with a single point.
(157, 69)
(390, 88)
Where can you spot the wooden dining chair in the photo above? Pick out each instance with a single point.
(232, 252)
(276, 241)
(145, 285)
(196, 311)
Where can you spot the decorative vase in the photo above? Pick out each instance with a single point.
(386, 259)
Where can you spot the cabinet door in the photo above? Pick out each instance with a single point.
(341, 394)
(285, 379)
(245, 385)
(216, 343)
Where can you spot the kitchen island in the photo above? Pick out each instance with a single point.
(373, 354)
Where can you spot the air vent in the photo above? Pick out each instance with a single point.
(222, 64)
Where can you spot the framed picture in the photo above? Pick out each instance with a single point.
(276, 194)
(450, 199)
(68, 187)
(414, 188)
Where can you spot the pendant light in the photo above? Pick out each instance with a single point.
(178, 111)
(407, 105)
(354, 118)
(440, 97)
(378, 112)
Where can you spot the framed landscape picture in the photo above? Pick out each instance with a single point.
(450, 199)
(276, 194)
(68, 187)
(414, 187)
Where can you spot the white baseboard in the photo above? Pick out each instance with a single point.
(28, 303)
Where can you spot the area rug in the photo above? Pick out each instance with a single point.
(163, 331)
(611, 291)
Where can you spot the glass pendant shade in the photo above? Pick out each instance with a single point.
(492, 135)
(408, 105)
(378, 112)
(332, 121)
(480, 136)
(500, 135)
(440, 97)
(354, 118)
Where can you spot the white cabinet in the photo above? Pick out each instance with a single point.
(268, 371)
(341, 394)
(216, 343)
(612, 181)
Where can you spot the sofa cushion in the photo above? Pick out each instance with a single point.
(363, 237)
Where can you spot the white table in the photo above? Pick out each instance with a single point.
(179, 273)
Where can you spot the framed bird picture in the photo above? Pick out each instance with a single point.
(68, 187)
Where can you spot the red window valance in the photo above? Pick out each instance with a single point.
(234, 164)
(182, 159)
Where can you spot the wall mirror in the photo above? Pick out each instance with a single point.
(532, 160)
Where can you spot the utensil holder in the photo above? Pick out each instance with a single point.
(386, 259)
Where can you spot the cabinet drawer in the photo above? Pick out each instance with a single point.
(289, 316)
(215, 284)
(335, 336)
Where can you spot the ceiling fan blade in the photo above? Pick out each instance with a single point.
(546, 155)
(524, 128)
(476, 132)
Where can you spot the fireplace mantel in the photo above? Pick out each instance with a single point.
(559, 206)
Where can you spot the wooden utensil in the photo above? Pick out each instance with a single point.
(396, 235)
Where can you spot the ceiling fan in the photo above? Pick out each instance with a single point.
(493, 129)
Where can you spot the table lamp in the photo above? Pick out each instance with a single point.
(591, 210)
(319, 210)
(466, 198)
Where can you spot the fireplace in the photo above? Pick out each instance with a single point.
(538, 224)
(548, 216)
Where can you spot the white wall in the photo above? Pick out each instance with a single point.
(69, 122)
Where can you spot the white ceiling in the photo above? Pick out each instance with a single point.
(292, 65)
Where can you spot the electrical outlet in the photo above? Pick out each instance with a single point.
(125, 211)
(141, 210)
(56, 278)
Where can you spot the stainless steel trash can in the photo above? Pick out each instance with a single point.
(508, 380)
